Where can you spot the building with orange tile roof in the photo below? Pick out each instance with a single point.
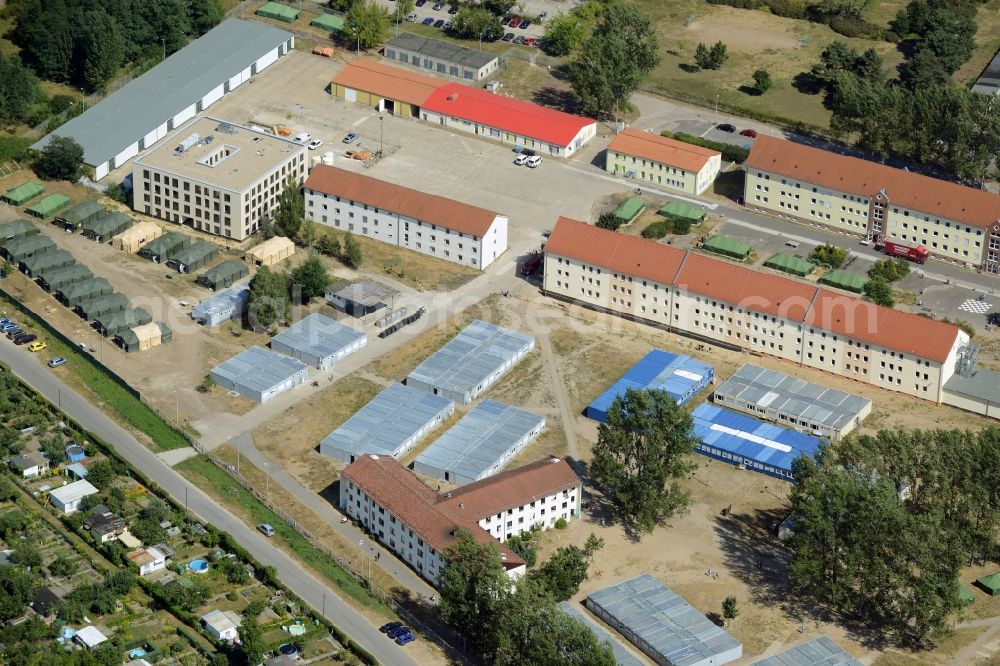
(726, 304)
(874, 201)
(419, 524)
(426, 223)
(658, 160)
(386, 88)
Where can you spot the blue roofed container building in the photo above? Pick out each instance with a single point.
(225, 305)
(680, 376)
(750, 443)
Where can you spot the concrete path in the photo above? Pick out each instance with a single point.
(568, 418)
(176, 456)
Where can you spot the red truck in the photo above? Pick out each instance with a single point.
(906, 249)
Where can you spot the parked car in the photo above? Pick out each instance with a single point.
(529, 41)
(507, 37)
(447, 25)
(11, 332)
(314, 144)
(534, 161)
(412, 18)
(37, 346)
(439, 24)
(302, 138)
(265, 529)
(506, 20)
(438, 6)
(520, 159)
(56, 362)
(453, 9)
(25, 339)
(428, 21)
(408, 637)
(16, 337)
(541, 17)
(514, 22)
(750, 133)
(420, 3)
(726, 127)
(519, 39)
(389, 625)
(524, 24)
(398, 631)
(350, 138)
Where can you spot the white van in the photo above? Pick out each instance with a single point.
(534, 161)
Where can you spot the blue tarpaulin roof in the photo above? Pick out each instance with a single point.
(763, 447)
(680, 376)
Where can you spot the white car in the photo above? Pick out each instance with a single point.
(412, 18)
(302, 138)
(534, 161)
(314, 144)
(520, 159)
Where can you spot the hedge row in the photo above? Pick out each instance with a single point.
(730, 153)
(849, 26)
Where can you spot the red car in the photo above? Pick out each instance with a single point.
(514, 22)
(529, 41)
(750, 133)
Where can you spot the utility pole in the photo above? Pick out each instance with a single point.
(381, 120)
(163, 41)
(716, 109)
(267, 482)
(177, 408)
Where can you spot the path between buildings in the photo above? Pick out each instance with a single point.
(560, 390)
(969, 652)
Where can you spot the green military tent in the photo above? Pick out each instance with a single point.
(72, 294)
(278, 12)
(159, 250)
(628, 209)
(35, 266)
(16, 229)
(989, 584)
(111, 323)
(682, 210)
(193, 257)
(80, 214)
(49, 206)
(58, 278)
(22, 248)
(328, 22)
(23, 193)
(844, 280)
(98, 306)
(102, 229)
(728, 246)
(965, 594)
(789, 263)
(223, 275)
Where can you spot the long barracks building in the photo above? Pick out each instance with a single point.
(956, 223)
(731, 305)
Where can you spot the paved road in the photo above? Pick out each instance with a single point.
(29, 368)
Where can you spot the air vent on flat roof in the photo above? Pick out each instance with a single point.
(187, 144)
(226, 128)
(208, 139)
(452, 97)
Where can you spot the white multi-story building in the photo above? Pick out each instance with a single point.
(425, 223)
(723, 303)
(419, 524)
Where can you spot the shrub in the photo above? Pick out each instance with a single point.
(560, 524)
(828, 255)
(609, 221)
(729, 152)
(793, 9)
(854, 26)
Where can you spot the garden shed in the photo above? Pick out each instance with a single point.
(193, 257)
(330, 22)
(160, 250)
(270, 251)
(35, 266)
(99, 306)
(729, 247)
(682, 210)
(115, 322)
(224, 275)
(29, 246)
(73, 294)
(143, 337)
(319, 341)
(55, 279)
(134, 238)
(680, 376)
(259, 374)
(278, 12)
(80, 214)
(22, 194)
(49, 206)
(16, 229)
(789, 263)
(989, 584)
(842, 279)
(629, 209)
(103, 229)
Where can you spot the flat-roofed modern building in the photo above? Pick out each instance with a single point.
(957, 223)
(791, 401)
(259, 374)
(225, 305)
(682, 377)
(319, 341)
(471, 362)
(668, 629)
(436, 226)
(441, 57)
(480, 444)
(658, 160)
(391, 424)
(419, 524)
(722, 303)
(217, 177)
(819, 651)
(148, 108)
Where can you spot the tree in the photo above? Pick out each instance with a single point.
(205, 14)
(839, 58)
(702, 57)
(593, 544)
(499, 7)
(402, 10)
(103, 48)
(522, 546)
(268, 301)
(366, 23)
(477, 23)
(18, 90)
(828, 255)
(564, 33)
(290, 211)
(61, 159)
(879, 292)
(640, 455)
(54, 449)
(328, 244)
(762, 80)
(563, 573)
(107, 654)
(27, 555)
(101, 474)
(16, 590)
(236, 572)
(613, 61)
(609, 221)
(311, 277)
(718, 55)
(62, 566)
(729, 608)
(252, 645)
(340, 5)
(352, 252)
(890, 270)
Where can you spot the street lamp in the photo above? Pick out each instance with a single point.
(163, 40)
(381, 120)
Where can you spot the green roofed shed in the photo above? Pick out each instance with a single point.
(329, 22)
(101, 230)
(22, 194)
(682, 210)
(80, 214)
(223, 275)
(16, 229)
(990, 584)
(789, 263)
(844, 280)
(628, 209)
(728, 246)
(278, 12)
(49, 206)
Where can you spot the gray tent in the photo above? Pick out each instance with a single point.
(102, 229)
(22, 248)
(16, 229)
(72, 294)
(35, 266)
(193, 257)
(80, 214)
(115, 322)
(223, 275)
(59, 278)
(159, 250)
(101, 305)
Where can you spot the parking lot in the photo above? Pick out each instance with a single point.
(431, 12)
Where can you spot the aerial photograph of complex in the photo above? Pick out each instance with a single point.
(500, 332)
